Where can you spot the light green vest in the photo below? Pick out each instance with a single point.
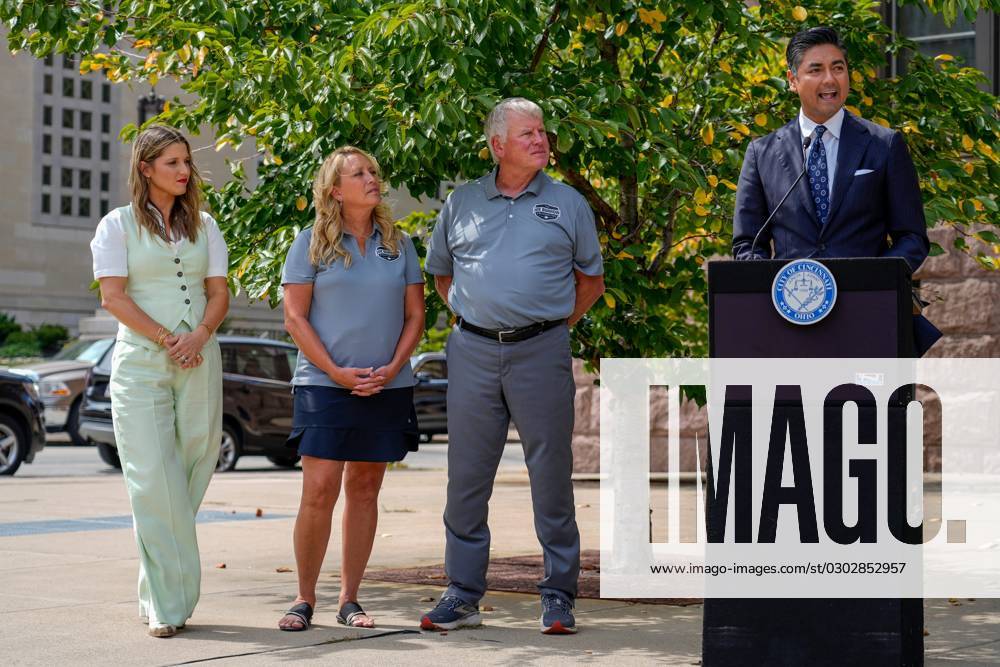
(166, 281)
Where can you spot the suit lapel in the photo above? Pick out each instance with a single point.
(854, 139)
(792, 160)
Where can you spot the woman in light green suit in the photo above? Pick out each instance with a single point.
(162, 267)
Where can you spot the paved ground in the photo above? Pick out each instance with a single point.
(69, 597)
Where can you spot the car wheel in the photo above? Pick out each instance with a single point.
(13, 445)
(229, 449)
(73, 424)
(109, 455)
(284, 461)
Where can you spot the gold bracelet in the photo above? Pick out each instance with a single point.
(161, 334)
(207, 328)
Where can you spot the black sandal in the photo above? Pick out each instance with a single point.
(349, 612)
(304, 611)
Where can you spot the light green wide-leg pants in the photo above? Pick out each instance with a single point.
(168, 427)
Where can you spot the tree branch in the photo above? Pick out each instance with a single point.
(607, 216)
(544, 41)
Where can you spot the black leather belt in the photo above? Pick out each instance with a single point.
(510, 335)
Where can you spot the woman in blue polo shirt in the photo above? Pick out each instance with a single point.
(354, 304)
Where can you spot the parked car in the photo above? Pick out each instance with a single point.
(60, 382)
(256, 404)
(430, 370)
(22, 426)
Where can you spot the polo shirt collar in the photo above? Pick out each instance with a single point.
(489, 183)
(833, 124)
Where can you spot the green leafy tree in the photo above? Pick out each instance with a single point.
(650, 106)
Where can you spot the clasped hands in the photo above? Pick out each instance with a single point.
(185, 348)
(364, 381)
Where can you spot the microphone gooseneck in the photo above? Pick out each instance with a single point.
(805, 165)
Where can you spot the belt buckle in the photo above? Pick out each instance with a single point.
(500, 335)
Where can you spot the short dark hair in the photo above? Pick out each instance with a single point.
(806, 39)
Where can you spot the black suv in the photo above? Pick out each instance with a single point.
(22, 429)
(257, 403)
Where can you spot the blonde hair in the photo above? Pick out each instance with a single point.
(185, 217)
(327, 243)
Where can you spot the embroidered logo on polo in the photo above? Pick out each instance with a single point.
(385, 254)
(804, 291)
(546, 212)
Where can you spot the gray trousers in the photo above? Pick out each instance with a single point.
(490, 384)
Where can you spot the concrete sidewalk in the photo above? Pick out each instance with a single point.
(69, 597)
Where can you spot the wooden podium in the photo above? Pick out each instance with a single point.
(872, 318)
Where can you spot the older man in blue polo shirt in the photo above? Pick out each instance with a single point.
(516, 256)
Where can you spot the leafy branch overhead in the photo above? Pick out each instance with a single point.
(650, 106)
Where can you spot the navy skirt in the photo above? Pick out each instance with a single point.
(331, 423)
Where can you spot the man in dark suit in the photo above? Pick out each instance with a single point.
(859, 197)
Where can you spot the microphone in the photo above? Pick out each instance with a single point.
(805, 165)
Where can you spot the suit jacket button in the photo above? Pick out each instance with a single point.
(187, 300)
(177, 260)
(184, 287)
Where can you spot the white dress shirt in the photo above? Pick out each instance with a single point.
(111, 254)
(831, 139)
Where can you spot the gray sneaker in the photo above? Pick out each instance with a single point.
(451, 613)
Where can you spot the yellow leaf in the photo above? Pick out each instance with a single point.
(222, 143)
(867, 101)
(252, 131)
(301, 203)
(799, 13)
(713, 180)
(700, 196)
(312, 39)
(856, 77)
(725, 67)
(621, 28)
(667, 101)
(977, 204)
(277, 160)
(184, 53)
(881, 121)
(153, 78)
(484, 153)
(740, 127)
(703, 212)
(729, 184)
(854, 110)
(967, 142)
(708, 134)
(141, 43)
(760, 119)
(596, 182)
(717, 156)
(95, 66)
(969, 168)
(610, 300)
(166, 107)
(202, 52)
(944, 56)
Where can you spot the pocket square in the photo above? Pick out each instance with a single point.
(862, 172)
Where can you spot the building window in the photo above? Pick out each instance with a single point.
(974, 42)
(104, 206)
(68, 85)
(86, 90)
(69, 62)
(46, 202)
(65, 205)
(67, 146)
(85, 120)
(105, 181)
(85, 148)
(84, 179)
(46, 175)
(67, 118)
(83, 207)
(47, 84)
(47, 144)
(47, 116)
(66, 177)
(106, 123)
(106, 93)
(105, 150)
(48, 60)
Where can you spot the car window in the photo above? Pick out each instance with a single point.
(95, 350)
(293, 359)
(435, 369)
(104, 365)
(260, 361)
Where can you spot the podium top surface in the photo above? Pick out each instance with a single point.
(852, 274)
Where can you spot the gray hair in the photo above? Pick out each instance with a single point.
(496, 122)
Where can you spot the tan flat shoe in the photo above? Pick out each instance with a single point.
(162, 630)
